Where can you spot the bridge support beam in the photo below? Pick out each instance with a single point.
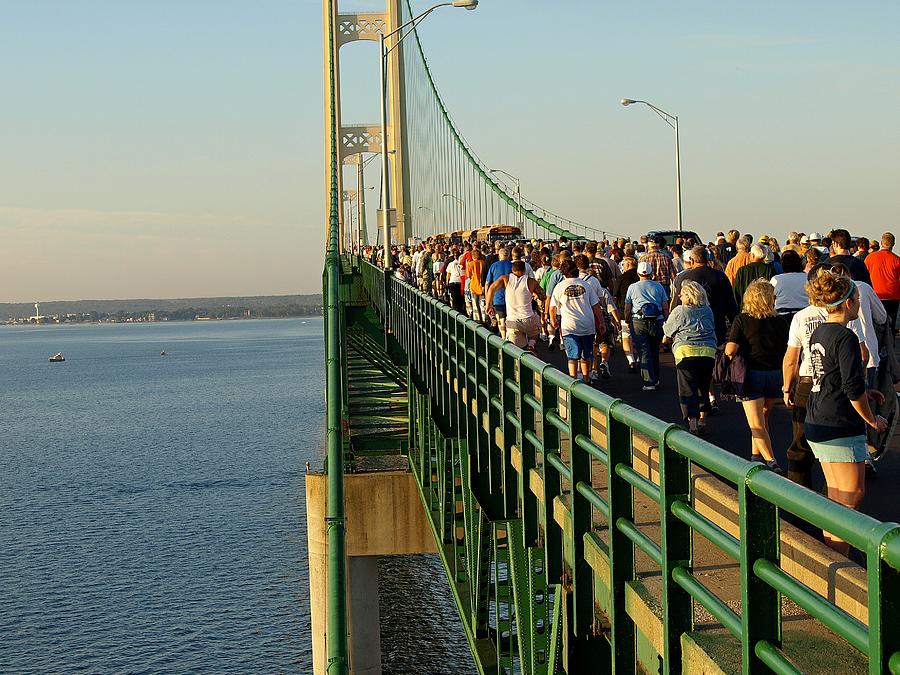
(384, 516)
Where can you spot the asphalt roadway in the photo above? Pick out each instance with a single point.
(728, 428)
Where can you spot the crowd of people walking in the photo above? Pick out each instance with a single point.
(810, 325)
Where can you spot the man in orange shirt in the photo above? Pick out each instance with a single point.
(884, 268)
(474, 268)
(741, 258)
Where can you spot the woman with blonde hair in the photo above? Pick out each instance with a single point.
(838, 409)
(692, 328)
(761, 338)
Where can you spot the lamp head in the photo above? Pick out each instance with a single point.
(627, 101)
(468, 4)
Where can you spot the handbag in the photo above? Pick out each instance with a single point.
(729, 374)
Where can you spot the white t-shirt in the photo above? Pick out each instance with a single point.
(574, 301)
(790, 291)
(803, 325)
(454, 272)
(871, 311)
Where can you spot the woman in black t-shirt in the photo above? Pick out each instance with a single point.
(761, 338)
(838, 409)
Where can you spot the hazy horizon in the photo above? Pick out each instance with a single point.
(166, 149)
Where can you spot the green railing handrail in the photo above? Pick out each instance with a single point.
(438, 341)
(336, 606)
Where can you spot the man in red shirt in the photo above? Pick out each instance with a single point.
(884, 268)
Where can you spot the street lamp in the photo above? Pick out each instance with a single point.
(433, 220)
(384, 52)
(672, 121)
(518, 196)
(462, 205)
(360, 212)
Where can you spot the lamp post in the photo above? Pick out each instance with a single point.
(361, 213)
(433, 220)
(521, 222)
(672, 121)
(383, 56)
(462, 205)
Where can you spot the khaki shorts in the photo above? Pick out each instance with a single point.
(522, 331)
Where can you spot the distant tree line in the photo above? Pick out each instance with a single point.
(185, 309)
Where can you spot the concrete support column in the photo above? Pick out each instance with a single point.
(365, 615)
(384, 517)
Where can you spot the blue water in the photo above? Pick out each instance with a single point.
(151, 508)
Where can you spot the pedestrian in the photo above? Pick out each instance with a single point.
(841, 254)
(453, 272)
(522, 323)
(692, 328)
(761, 338)
(611, 319)
(646, 307)
(661, 267)
(797, 378)
(474, 269)
(790, 286)
(757, 268)
(884, 268)
(839, 408)
(575, 313)
(500, 268)
(741, 258)
(862, 249)
(628, 276)
(717, 287)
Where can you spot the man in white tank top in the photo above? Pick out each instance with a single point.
(522, 323)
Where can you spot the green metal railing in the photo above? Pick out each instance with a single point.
(490, 420)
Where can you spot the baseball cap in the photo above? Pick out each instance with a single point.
(815, 236)
(764, 239)
(804, 239)
(688, 256)
(644, 269)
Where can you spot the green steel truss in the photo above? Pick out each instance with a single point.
(529, 482)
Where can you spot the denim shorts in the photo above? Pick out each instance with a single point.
(762, 384)
(579, 347)
(851, 449)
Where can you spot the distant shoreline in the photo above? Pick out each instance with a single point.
(12, 324)
(149, 311)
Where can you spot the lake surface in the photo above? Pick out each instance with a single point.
(152, 513)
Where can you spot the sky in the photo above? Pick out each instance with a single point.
(173, 148)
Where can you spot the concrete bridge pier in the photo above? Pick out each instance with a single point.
(384, 516)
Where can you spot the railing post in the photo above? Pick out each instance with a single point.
(621, 549)
(760, 603)
(553, 543)
(884, 601)
(580, 464)
(386, 299)
(510, 478)
(676, 548)
(527, 499)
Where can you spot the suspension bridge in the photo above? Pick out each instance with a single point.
(578, 533)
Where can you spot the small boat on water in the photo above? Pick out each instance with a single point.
(57, 357)
(163, 353)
